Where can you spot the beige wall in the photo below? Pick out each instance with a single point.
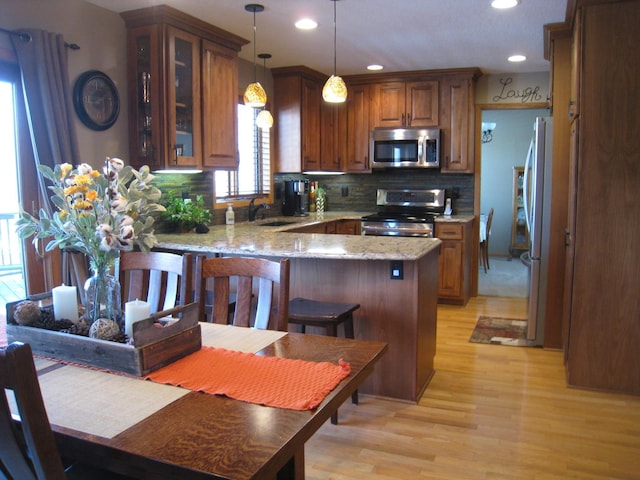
(513, 88)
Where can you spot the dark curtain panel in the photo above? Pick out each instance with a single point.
(42, 57)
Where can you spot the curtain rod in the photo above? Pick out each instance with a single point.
(25, 37)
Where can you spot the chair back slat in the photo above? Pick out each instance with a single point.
(221, 307)
(263, 309)
(161, 279)
(29, 452)
(258, 284)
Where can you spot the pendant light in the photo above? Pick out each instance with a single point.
(264, 120)
(334, 90)
(254, 94)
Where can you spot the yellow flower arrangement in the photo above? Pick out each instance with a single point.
(98, 214)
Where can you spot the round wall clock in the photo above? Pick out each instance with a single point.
(95, 98)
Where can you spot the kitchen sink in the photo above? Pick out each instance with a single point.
(275, 224)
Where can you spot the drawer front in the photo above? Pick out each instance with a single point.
(449, 231)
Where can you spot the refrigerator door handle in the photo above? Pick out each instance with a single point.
(525, 192)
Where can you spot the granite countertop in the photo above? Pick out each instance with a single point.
(253, 238)
(454, 218)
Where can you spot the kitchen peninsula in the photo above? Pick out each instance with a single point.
(352, 269)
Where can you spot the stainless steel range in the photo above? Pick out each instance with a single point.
(405, 213)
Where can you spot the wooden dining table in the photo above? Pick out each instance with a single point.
(190, 434)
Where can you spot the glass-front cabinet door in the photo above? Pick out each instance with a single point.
(144, 99)
(183, 103)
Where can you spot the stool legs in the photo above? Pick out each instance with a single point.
(348, 333)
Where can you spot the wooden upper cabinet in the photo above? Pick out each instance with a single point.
(297, 101)
(219, 100)
(182, 76)
(407, 104)
(457, 124)
(358, 122)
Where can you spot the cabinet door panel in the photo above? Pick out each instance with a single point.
(450, 269)
(333, 134)
(311, 95)
(422, 104)
(358, 129)
(457, 131)
(219, 100)
(391, 104)
(144, 90)
(183, 107)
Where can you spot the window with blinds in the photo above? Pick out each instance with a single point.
(253, 176)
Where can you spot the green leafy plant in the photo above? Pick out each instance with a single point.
(98, 213)
(184, 213)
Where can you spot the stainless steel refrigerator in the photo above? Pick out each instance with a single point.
(537, 204)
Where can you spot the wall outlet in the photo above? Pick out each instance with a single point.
(397, 270)
(345, 191)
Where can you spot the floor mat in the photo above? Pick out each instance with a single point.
(501, 331)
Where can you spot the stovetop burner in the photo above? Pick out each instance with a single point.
(400, 217)
(405, 213)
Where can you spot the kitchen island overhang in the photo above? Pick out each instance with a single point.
(351, 269)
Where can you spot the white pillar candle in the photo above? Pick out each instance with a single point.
(65, 302)
(133, 312)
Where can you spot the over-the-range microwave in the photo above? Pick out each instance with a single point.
(404, 148)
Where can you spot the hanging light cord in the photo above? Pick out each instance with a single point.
(334, 37)
(255, 69)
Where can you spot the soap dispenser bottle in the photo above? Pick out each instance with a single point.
(230, 216)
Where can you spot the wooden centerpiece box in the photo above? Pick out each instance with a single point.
(155, 343)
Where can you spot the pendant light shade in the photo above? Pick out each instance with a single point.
(334, 90)
(264, 120)
(254, 94)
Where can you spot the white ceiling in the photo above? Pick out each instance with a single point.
(402, 35)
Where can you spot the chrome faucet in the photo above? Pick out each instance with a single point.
(254, 209)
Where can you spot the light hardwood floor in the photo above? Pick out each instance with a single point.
(490, 412)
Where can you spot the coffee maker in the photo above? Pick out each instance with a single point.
(295, 201)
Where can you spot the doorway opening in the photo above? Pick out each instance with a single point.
(502, 151)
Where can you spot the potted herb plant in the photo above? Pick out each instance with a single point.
(185, 214)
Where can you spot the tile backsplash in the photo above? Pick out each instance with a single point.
(360, 189)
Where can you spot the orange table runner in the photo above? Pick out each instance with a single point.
(272, 381)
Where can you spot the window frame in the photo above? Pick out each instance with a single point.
(244, 200)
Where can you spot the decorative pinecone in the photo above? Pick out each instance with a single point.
(62, 324)
(46, 320)
(26, 313)
(80, 328)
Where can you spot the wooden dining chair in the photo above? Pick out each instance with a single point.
(484, 245)
(162, 279)
(28, 450)
(261, 291)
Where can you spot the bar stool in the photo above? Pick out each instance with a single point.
(305, 312)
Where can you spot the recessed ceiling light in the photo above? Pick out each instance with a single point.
(504, 3)
(306, 24)
(375, 67)
(517, 58)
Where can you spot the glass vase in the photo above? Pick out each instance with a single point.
(320, 200)
(102, 297)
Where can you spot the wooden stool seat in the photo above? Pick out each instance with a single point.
(313, 313)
